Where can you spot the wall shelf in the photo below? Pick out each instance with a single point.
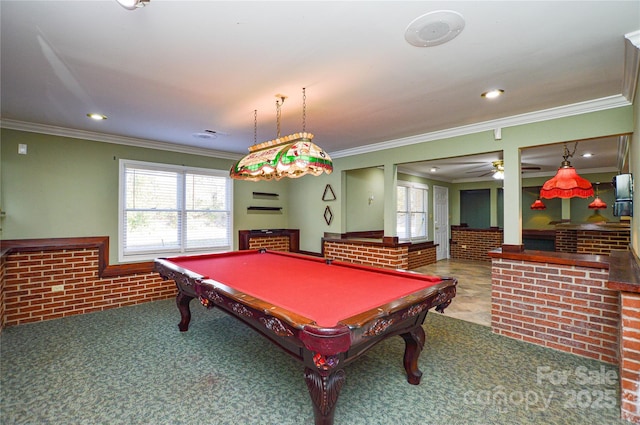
(265, 195)
(264, 208)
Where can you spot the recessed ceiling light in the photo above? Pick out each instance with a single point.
(434, 169)
(587, 155)
(492, 94)
(97, 117)
(204, 135)
(434, 28)
(133, 4)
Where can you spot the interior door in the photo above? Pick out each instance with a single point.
(441, 221)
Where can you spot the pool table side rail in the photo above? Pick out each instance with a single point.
(185, 278)
(277, 324)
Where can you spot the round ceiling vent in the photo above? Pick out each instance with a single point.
(434, 28)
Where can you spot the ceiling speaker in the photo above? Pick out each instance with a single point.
(434, 28)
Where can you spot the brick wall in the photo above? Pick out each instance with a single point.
(474, 244)
(630, 357)
(43, 285)
(595, 242)
(567, 308)
(421, 257)
(598, 243)
(274, 243)
(378, 256)
(2, 272)
(566, 241)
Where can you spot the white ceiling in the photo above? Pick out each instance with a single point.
(173, 69)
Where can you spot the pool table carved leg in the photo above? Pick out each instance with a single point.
(324, 390)
(183, 300)
(414, 342)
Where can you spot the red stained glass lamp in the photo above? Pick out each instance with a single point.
(538, 205)
(597, 204)
(566, 183)
(290, 156)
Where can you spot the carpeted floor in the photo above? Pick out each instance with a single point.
(133, 366)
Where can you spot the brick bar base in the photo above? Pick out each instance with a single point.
(630, 352)
(564, 307)
(624, 276)
(43, 285)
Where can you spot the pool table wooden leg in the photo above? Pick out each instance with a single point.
(183, 300)
(414, 342)
(324, 390)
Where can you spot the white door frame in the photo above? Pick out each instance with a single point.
(441, 221)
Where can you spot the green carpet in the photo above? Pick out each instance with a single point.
(132, 366)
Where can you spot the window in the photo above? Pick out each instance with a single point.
(166, 210)
(412, 211)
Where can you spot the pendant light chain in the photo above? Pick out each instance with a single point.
(304, 110)
(278, 118)
(255, 126)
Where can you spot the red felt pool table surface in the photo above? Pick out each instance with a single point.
(308, 286)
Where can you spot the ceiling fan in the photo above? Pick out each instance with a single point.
(497, 170)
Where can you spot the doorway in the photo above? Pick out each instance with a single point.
(441, 221)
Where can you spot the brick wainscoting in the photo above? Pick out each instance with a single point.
(560, 306)
(54, 282)
(2, 269)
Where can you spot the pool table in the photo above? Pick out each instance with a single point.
(323, 313)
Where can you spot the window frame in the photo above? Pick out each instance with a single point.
(181, 171)
(413, 185)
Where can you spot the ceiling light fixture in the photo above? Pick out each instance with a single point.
(434, 28)
(290, 156)
(492, 94)
(597, 204)
(132, 4)
(566, 183)
(96, 116)
(538, 205)
(498, 169)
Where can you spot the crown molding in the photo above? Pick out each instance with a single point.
(631, 65)
(110, 138)
(595, 105)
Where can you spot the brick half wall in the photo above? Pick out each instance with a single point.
(564, 307)
(378, 256)
(474, 244)
(630, 353)
(50, 284)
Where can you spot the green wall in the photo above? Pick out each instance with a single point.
(362, 213)
(68, 187)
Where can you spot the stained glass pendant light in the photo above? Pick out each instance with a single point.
(290, 156)
(597, 204)
(566, 183)
(538, 205)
